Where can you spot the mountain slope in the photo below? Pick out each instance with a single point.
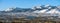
(36, 9)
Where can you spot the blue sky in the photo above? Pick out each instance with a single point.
(4, 4)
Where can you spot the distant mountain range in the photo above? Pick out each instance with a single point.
(31, 13)
(36, 9)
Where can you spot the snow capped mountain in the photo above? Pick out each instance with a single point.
(33, 12)
(37, 9)
(48, 9)
(17, 9)
(9, 9)
(47, 5)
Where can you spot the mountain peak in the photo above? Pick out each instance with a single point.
(9, 9)
(47, 5)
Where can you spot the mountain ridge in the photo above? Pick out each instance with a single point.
(40, 9)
